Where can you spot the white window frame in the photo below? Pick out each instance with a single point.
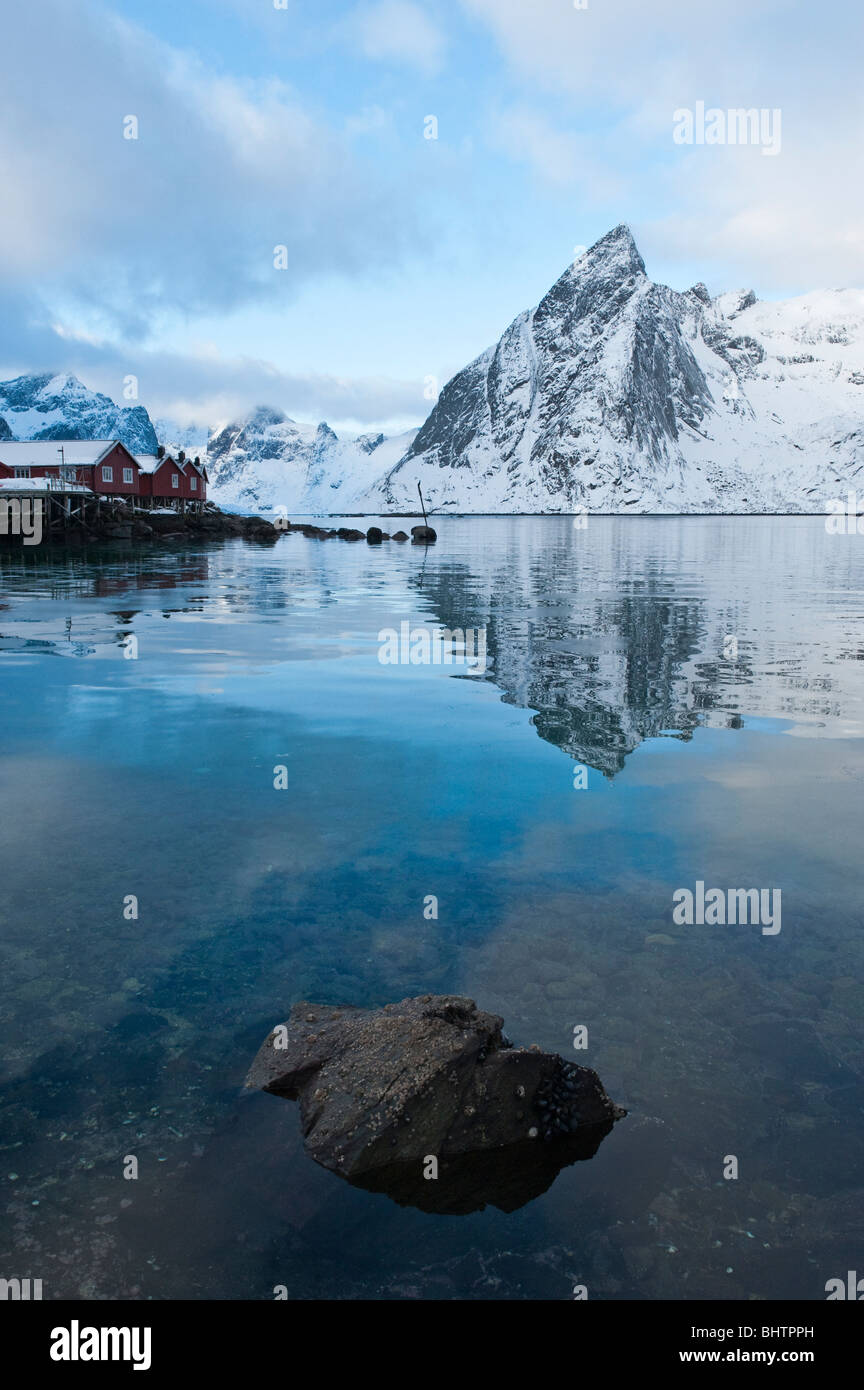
(107, 473)
(175, 479)
(23, 472)
(128, 475)
(193, 483)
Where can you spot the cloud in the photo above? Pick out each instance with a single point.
(614, 73)
(558, 157)
(776, 222)
(203, 387)
(186, 216)
(619, 49)
(218, 390)
(396, 31)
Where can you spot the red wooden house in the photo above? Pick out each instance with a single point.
(167, 481)
(197, 480)
(161, 479)
(105, 466)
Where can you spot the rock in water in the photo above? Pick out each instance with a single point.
(423, 535)
(383, 1091)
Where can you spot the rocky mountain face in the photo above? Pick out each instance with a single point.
(47, 406)
(269, 460)
(616, 394)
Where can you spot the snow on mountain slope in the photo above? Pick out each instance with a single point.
(269, 460)
(47, 406)
(191, 438)
(266, 460)
(616, 394)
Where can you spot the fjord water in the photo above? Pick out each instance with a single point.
(706, 672)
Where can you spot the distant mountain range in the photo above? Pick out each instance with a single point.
(268, 460)
(262, 461)
(615, 394)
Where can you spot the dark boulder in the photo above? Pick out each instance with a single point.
(374, 535)
(382, 1091)
(423, 535)
(400, 536)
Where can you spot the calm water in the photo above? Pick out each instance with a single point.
(154, 777)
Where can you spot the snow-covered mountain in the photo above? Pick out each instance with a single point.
(616, 394)
(269, 460)
(265, 460)
(46, 406)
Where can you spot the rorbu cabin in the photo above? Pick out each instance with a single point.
(103, 466)
(171, 482)
(197, 480)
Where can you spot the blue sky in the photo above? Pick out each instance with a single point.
(303, 126)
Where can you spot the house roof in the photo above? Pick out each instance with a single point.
(43, 453)
(151, 463)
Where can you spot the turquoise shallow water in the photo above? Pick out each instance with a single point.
(706, 674)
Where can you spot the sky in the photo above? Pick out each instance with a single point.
(330, 208)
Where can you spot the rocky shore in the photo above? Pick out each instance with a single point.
(119, 521)
(420, 535)
(115, 523)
